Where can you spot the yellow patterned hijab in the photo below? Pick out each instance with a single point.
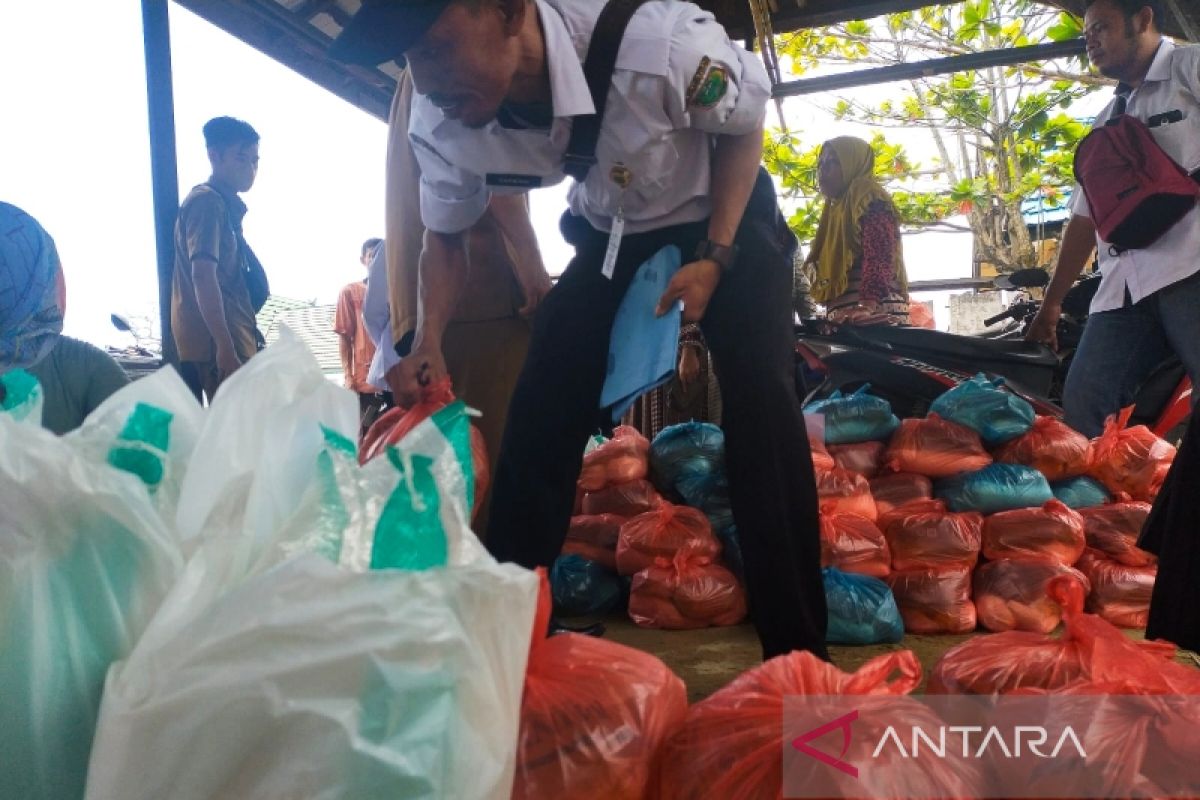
(838, 243)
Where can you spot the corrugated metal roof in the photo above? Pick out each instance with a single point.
(297, 33)
(312, 323)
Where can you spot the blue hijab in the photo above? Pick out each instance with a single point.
(31, 317)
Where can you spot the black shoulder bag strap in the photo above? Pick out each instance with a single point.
(598, 69)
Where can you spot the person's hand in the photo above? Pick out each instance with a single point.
(694, 283)
(1044, 327)
(420, 368)
(689, 366)
(535, 284)
(227, 362)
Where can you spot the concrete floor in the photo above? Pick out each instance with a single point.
(709, 658)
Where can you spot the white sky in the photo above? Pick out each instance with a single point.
(74, 153)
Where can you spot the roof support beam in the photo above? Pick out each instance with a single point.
(937, 66)
(164, 173)
(1189, 30)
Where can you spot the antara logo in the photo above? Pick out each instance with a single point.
(947, 739)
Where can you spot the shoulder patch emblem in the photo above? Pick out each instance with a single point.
(708, 85)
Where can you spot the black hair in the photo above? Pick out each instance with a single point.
(223, 132)
(371, 244)
(1130, 8)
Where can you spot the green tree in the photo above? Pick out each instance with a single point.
(1002, 134)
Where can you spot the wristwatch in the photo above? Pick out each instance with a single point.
(724, 254)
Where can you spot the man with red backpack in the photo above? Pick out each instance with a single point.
(1148, 303)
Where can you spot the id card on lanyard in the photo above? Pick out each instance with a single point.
(622, 177)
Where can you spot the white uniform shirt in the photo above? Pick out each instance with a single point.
(678, 81)
(377, 318)
(1172, 84)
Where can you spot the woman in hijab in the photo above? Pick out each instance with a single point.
(856, 260)
(75, 376)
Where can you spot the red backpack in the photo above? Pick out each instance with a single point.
(1135, 191)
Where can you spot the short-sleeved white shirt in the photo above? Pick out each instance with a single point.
(678, 81)
(1172, 84)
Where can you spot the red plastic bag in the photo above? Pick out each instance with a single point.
(934, 601)
(1114, 529)
(594, 716)
(1052, 447)
(1088, 650)
(601, 555)
(864, 458)
(1052, 534)
(1011, 595)
(1120, 594)
(397, 423)
(624, 499)
(686, 592)
(853, 544)
(731, 745)
(662, 533)
(936, 448)
(843, 492)
(594, 538)
(814, 425)
(923, 535)
(896, 489)
(919, 315)
(621, 459)
(1131, 460)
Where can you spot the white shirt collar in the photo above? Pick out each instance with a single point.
(1160, 67)
(569, 94)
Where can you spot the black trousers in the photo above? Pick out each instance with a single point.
(748, 326)
(1173, 534)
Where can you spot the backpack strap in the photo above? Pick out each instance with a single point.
(598, 69)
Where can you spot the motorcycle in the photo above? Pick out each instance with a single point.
(911, 367)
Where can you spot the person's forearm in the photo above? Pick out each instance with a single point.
(1078, 242)
(346, 352)
(211, 303)
(734, 171)
(512, 215)
(443, 271)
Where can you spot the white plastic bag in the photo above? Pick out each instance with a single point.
(150, 428)
(85, 559)
(258, 448)
(278, 667)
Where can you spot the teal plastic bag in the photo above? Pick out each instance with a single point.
(21, 396)
(581, 586)
(997, 487)
(1081, 492)
(858, 417)
(984, 407)
(861, 609)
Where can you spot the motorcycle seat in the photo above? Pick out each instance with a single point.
(923, 340)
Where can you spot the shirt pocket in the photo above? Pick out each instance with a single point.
(1180, 139)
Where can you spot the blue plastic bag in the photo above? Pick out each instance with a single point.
(581, 586)
(981, 405)
(997, 487)
(1081, 492)
(689, 459)
(858, 417)
(862, 609)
